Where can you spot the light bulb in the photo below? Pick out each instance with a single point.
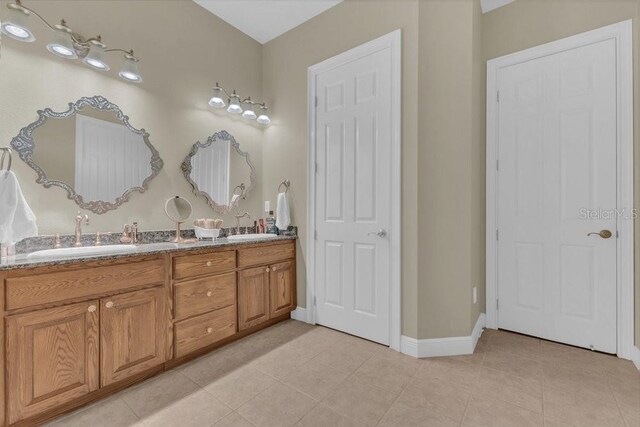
(62, 45)
(216, 100)
(95, 57)
(234, 105)
(15, 26)
(263, 119)
(129, 69)
(248, 112)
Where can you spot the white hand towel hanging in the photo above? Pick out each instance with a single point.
(283, 217)
(17, 220)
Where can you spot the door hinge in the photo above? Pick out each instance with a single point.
(498, 96)
(497, 234)
(617, 234)
(497, 165)
(314, 301)
(497, 304)
(315, 235)
(316, 166)
(316, 101)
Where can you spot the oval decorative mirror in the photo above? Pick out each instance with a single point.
(92, 151)
(219, 171)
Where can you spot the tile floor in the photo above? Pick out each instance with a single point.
(296, 374)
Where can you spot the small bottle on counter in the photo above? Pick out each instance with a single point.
(271, 224)
(261, 226)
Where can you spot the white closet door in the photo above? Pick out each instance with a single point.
(557, 162)
(353, 190)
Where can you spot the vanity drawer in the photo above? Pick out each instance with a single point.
(199, 265)
(202, 295)
(55, 287)
(204, 330)
(261, 255)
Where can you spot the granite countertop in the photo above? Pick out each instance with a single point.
(22, 261)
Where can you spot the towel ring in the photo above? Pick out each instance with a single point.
(286, 184)
(5, 151)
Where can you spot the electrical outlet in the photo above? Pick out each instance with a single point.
(475, 294)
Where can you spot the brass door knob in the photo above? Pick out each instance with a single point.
(605, 234)
(209, 330)
(209, 293)
(273, 268)
(91, 308)
(267, 270)
(209, 263)
(109, 304)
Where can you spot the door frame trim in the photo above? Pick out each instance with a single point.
(391, 41)
(623, 34)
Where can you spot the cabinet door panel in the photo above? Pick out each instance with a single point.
(132, 333)
(253, 297)
(52, 358)
(282, 288)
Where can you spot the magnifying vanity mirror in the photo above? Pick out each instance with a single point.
(219, 171)
(178, 210)
(92, 151)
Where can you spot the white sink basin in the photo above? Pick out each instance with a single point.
(82, 251)
(238, 237)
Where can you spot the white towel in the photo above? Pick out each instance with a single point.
(17, 220)
(283, 217)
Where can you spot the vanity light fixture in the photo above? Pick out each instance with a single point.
(67, 44)
(234, 104)
(245, 107)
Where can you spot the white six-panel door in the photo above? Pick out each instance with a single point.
(353, 194)
(557, 123)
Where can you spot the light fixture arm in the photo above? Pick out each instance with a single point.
(82, 43)
(235, 95)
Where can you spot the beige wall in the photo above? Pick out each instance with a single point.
(527, 23)
(450, 159)
(286, 60)
(184, 50)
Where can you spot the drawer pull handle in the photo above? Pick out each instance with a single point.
(109, 304)
(268, 270)
(209, 293)
(91, 308)
(209, 263)
(209, 330)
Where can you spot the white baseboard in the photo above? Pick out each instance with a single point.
(451, 346)
(635, 356)
(300, 314)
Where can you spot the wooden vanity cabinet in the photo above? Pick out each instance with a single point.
(132, 334)
(253, 297)
(74, 333)
(268, 291)
(52, 358)
(282, 288)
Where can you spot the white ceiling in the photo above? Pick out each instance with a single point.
(265, 20)
(489, 5)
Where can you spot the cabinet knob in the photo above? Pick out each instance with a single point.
(209, 293)
(209, 330)
(273, 269)
(109, 304)
(209, 263)
(268, 270)
(91, 308)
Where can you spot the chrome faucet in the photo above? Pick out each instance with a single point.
(79, 220)
(238, 217)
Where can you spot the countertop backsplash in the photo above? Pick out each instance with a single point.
(39, 243)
